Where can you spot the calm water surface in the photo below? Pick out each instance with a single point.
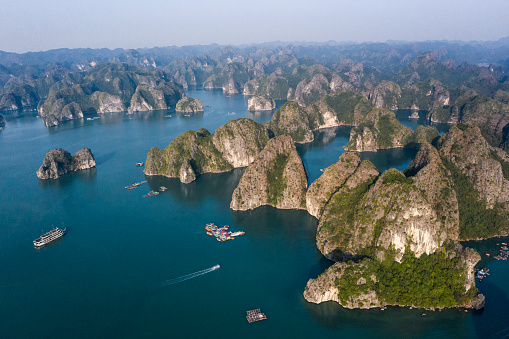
(104, 278)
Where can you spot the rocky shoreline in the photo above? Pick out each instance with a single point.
(58, 162)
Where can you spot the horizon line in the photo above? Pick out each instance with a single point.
(276, 42)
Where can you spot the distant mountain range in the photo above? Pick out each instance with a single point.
(453, 81)
(472, 52)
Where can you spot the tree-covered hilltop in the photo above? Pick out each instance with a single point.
(234, 144)
(438, 280)
(109, 88)
(292, 120)
(454, 83)
(399, 231)
(188, 155)
(481, 179)
(276, 177)
(381, 130)
(336, 109)
(58, 162)
(189, 105)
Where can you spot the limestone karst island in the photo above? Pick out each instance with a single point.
(274, 190)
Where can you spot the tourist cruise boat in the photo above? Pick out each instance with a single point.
(46, 238)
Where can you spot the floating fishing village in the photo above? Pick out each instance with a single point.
(222, 234)
(503, 255)
(136, 184)
(504, 252)
(150, 194)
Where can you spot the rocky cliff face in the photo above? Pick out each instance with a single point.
(392, 210)
(345, 108)
(188, 155)
(430, 175)
(332, 238)
(385, 95)
(424, 95)
(19, 98)
(307, 92)
(273, 86)
(389, 220)
(336, 109)
(326, 287)
(108, 88)
(464, 146)
(321, 190)
(106, 103)
(491, 116)
(240, 141)
(59, 162)
(371, 283)
(260, 103)
(189, 105)
(277, 178)
(56, 108)
(338, 84)
(380, 130)
(292, 120)
(147, 98)
(235, 144)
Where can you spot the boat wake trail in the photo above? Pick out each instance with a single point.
(189, 276)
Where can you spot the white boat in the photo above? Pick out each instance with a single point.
(52, 235)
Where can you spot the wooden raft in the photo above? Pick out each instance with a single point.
(255, 315)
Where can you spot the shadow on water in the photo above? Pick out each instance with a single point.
(384, 159)
(408, 118)
(260, 115)
(493, 322)
(111, 118)
(413, 116)
(66, 125)
(190, 116)
(484, 247)
(51, 244)
(68, 178)
(266, 221)
(101, 159)
(320, 266)
(209, 185)
(395, 322)
(323, 137)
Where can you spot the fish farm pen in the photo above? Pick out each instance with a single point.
(255, 315)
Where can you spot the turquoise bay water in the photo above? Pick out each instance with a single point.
(104, 278)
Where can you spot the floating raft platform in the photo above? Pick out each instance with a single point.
(222, 234)
(150, 194)
(255, 315)
(136, 184)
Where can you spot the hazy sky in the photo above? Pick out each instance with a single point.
(32, 25)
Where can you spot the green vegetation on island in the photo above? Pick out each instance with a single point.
(189, 105)
(234, 144)
(430, 281)
(276, 177)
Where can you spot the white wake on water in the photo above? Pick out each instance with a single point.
(189, 276)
